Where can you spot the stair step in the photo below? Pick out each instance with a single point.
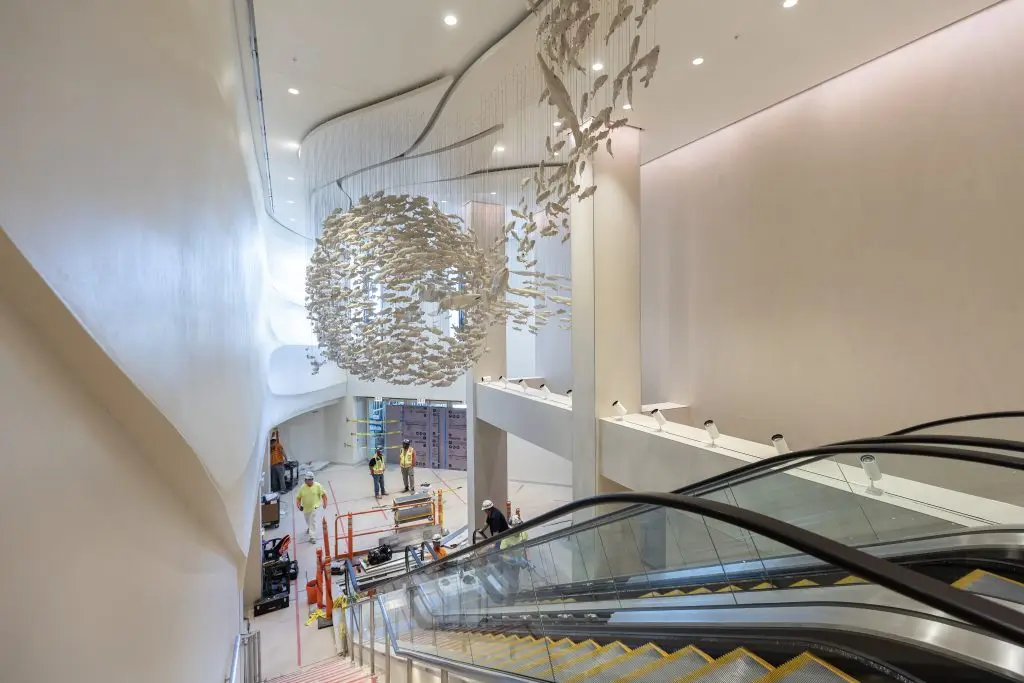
(552, 660)
(613, 670)
(806, 669)
(609, 653)
(334, 670)
(671, 668)
(739, 666)
(991, 585)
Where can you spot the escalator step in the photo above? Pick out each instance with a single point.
(849, 581)
(804, 583)
(671, 668)
(573, 665)
(625, 664)
(992, 585)
(739, 666)
(518, 651)
(533, 659)
(806, 669)
(548, 661)
(763, 586)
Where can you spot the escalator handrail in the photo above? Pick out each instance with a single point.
(996, 618)
(787, 461)
(973, 417)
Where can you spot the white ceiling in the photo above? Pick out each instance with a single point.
(344, 54)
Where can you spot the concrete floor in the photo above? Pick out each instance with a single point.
(287, 642)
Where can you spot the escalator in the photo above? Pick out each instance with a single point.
(645, 587)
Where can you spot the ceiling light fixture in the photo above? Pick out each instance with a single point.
(293, 91)
(493, 193)
(451, 20)
(291, 178)
(292, 220)
(558, 124)
(790, 3)
(697, 61)
(598, 66)
(290, 201)
(627, 106)
(499, 148)
(292, 145)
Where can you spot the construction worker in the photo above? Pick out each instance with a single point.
(310, 498)
(377, 472)
(407, 461)
(277, 461)
(513, 560)
(494, 520)
(439, 550)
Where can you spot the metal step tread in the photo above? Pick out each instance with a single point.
(614, 669)
(991, 585)
(606, 654)
(671, 668)
(738, 666)
(552, 660)
(806, 669)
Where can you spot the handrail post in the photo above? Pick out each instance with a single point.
(440, 508)
(351, 614)
(361, 622)
(351, 539)
(373, 636)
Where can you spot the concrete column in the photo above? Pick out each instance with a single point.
(605, 302)
(488, 446)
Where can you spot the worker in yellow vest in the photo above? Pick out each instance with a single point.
(377, 471)
(407, 461)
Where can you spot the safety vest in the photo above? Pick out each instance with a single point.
(378, 465)
(407, 457)
(512, 540)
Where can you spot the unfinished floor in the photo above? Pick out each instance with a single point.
(288, 643)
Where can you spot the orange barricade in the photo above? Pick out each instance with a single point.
(345, 533)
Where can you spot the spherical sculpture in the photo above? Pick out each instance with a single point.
(383, 282)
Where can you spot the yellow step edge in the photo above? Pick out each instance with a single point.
(526, 650)
(766, 585)
(699, 591)
(730, 589)
(568, 653)
(494, 644)
(652, 594)
(798, 663)
(538, 657)
(722, 661)
(565, 663)
(803, 583)
(673, 593)
(850, 580)
(643, 671)
(580, 678)
(964, 582)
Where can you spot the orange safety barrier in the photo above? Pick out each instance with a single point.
(345, 533)
(326, 568)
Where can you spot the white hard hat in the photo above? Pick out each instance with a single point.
(516, 520)
(437, 538)
(307, 475)
(487, 505)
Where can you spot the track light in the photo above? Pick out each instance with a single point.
(504, 382)
(712, 430)
(779, 441)
(568, 392)
(544, 390)
(523, 385)
(659, 418)
(620, 409)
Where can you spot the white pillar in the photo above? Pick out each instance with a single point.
(605, 301)
(487, 445)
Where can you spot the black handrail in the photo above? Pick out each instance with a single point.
(996, 618)
(975, 417)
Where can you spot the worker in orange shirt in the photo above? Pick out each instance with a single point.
(277, 461)
(439, 550)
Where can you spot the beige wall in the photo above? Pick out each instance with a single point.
(849, 261)
(108, 574)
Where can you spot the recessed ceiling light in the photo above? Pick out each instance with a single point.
(292, 220)
(558, 124)
(293, 91)
(493, 193)
(451, 20)
(290, 201)
(697, 61)
(557, 154)
(627, 106)
(443, 201)
(291, 178)
(598, 66)
(499, 148)
(790, 3)
(292, 145)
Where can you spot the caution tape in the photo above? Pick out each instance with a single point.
(380, 422)
(374, 433)
(314, 615)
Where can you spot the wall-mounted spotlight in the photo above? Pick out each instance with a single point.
(620, 409)
(544, 390)
(659, 418)
(870, 465)
(522, 383)
(568, 392)
(486, 378)
(503, 381)
(712, 430)
(779, 441)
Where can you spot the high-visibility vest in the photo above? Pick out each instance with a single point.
(407, 457)
(512, 540)
(378, 465)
